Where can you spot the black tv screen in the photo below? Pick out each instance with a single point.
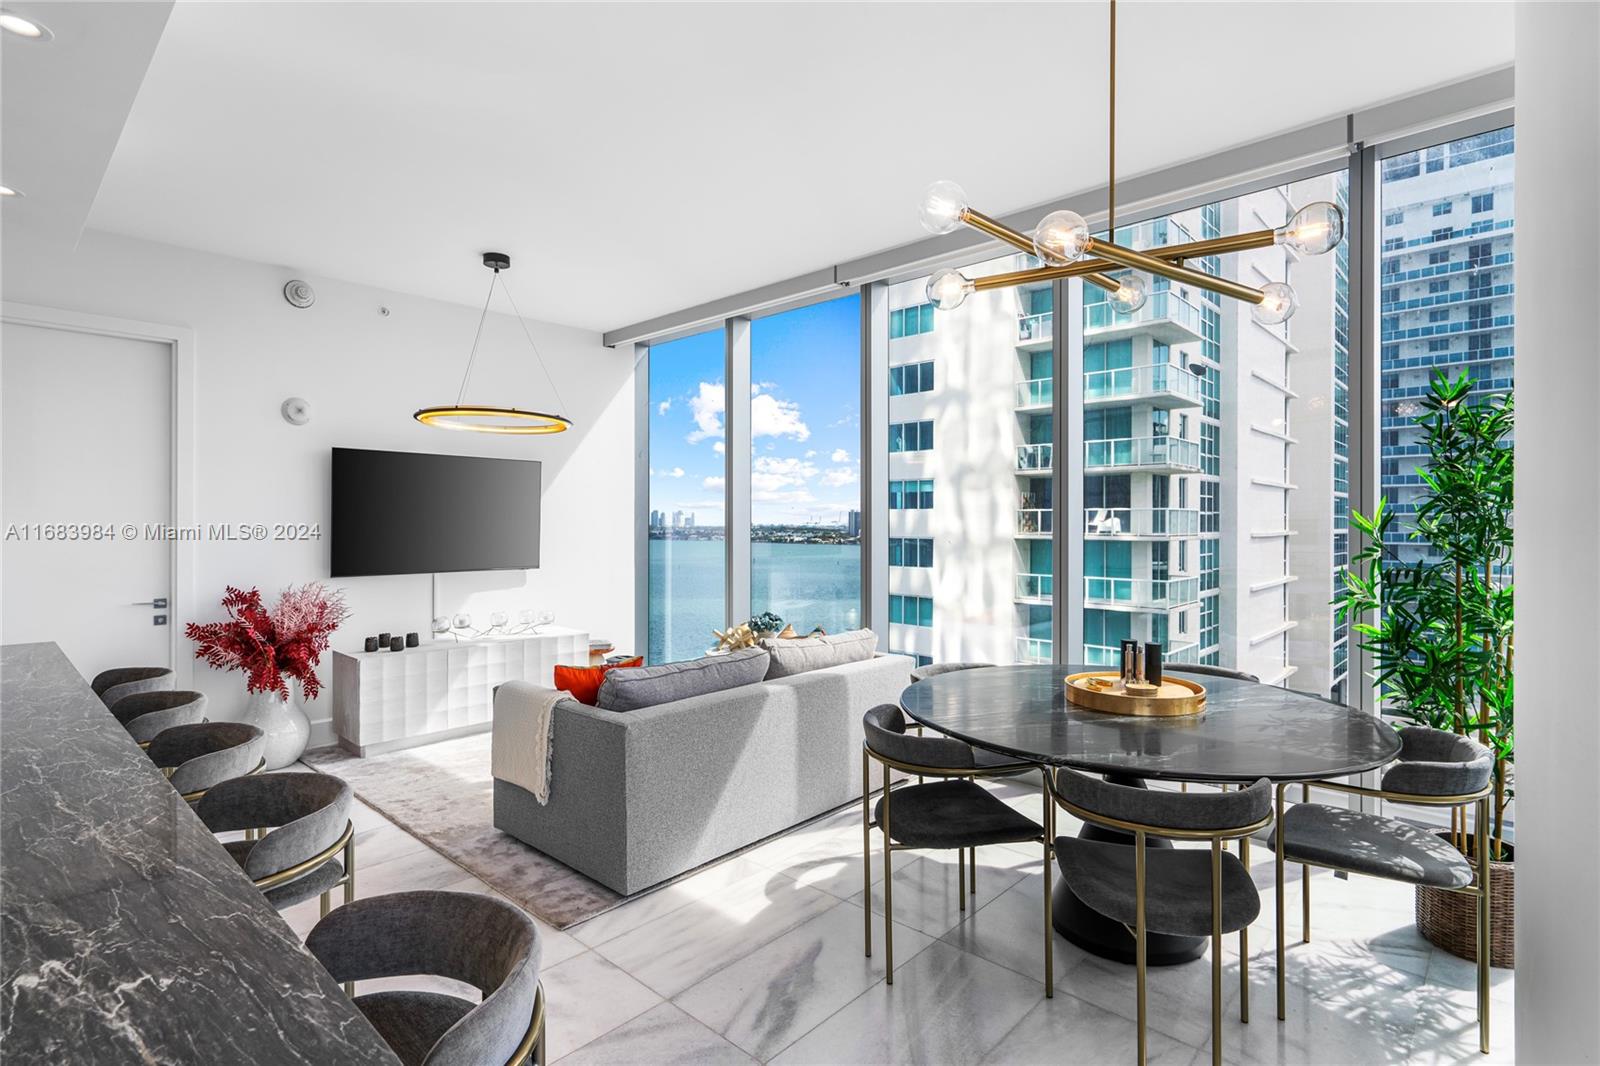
(410, 513)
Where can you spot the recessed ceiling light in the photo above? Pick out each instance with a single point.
(6, 190)
(25, 28)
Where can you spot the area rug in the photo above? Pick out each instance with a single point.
(443, 794)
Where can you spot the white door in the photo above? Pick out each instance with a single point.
(85, 458)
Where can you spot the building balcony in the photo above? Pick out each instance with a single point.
(1034, 458)
(1127, 523)
(1030, 650)
(1035, 588)
(1034, 332)
(1155, 455)
(1034, 522)
(1166, 316)
(1107, 656)
(1160, 385)
(1140, 593)
(1036, 394)
(1153, 233)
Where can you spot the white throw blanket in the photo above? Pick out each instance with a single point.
(524, 730)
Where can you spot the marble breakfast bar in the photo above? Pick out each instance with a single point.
(127, 932)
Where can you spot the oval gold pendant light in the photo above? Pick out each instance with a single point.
(489, 418)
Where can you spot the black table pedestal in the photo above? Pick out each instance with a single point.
(1098, 935)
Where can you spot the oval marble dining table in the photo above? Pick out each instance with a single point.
(1247, 731)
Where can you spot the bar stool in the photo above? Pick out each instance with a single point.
(198, 757)
(307, 822)
(146, 714)
(112, 685)
(480, 940)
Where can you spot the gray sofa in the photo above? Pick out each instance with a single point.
(641, 796)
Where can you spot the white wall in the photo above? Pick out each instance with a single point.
(1558, 533)
(364, 374)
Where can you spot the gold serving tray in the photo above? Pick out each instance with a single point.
(1176, 698)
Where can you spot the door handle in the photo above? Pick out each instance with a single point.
(160, 603)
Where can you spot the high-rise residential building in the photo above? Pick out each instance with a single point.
(1446, 293)
(852, 524)
(1213, 460)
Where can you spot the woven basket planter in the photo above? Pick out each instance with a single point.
(1450, 919)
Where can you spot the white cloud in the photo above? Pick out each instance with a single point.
(676, 471)
(707, 406)
(772, 417)
(811, 453)
(771, 474)
(712, 482)
(840, 456)
(663, 407)
(719, 447)
(839, 476)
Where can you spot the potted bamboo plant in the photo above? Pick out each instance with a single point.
(1440, 630)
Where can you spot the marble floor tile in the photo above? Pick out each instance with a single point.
(652, 905)
(586, 998)
(414, 870)
(833, 864)
(777, 993)
(1068, 1030)
(686, 945)
(381, 843)
(927, 896)
(662, 1035)
(1009, 930)
(945, 1006)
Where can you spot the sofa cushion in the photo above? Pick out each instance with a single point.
(804, 654)
(631, 688)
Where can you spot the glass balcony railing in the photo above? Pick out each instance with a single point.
(1033, 521)
(1035, 586)
(1034, 458)
(1038, 392)
(1153, 593)
(1033, 329)
(1140, 522)
(1105, 655)
(1133, 453)
(1157, 381)
(1030, 650)
(1165, 309)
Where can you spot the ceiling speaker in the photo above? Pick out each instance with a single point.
(299, 294)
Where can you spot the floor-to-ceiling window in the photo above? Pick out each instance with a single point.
(686, 434)
(1215, 451)
(971, 459)
(805, 465)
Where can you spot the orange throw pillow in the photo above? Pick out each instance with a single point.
(584, 681)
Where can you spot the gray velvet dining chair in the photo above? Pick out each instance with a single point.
(1180, 891)
(991, 761)
(479, 940)
(1435, 769)
(1208, 671)
(146, 714)
(953, 812)
(113, 685)
(201, 756)
(296, 824)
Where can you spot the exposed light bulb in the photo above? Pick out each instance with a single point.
(1315, 229)
(1061, 237)
(949, 289)
(941, 207)
(21, 27)
(1131, 294)
(6, 190)
(1277, 305)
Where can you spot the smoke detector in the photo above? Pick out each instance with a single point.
(299, 294)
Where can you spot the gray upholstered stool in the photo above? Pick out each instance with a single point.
(145, 714)
(307, 821)
(476, 939)
(112, 685)
(1181, 891)
(200, 756)
(954, 812)
(1435, 769)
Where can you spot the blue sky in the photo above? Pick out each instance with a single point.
(804, 414)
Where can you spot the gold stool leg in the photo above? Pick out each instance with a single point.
(1305, 883)
(1049, 917)
(1138, 935)
(888, 890)
(350, 869)
(1244, 943)
(1278, 864)
(961, 875)
(866, 842)
(324, 905)
(1216, 951)
(972, 854)
(350, 989)
(538, 1046)
(1485, 940)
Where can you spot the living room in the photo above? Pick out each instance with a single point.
(641, 532)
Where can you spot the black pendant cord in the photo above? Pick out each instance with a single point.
(561, 405)
(476, 337)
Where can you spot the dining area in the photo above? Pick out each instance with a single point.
(1161, 868)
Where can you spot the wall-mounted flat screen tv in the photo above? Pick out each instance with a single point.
(411, 513)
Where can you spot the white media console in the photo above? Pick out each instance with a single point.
(386, 700)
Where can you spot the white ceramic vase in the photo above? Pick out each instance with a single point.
(285, 724)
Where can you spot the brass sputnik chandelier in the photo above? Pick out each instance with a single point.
(485, 418)
(1062, 241)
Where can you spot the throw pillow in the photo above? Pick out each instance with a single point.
(584, 681)
(790, 657)
(648, 686)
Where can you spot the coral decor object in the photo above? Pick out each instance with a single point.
(734, 638)
(272, 647)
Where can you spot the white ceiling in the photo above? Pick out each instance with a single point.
(638, 159)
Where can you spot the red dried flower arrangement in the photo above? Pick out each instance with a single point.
(272, 646)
